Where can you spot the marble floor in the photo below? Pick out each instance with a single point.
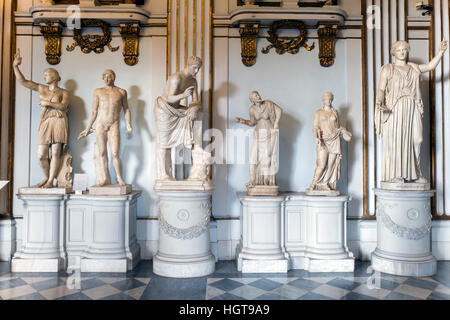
(225, 284)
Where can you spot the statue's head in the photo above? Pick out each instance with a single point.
(109, 76)
(400, 50)
(51, 75)
(194, 64)
(255, 97)
(327, 98)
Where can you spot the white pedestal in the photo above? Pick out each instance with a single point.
(403, 233)
(101, 232)
(184, 248)
(42, 248)
(316, 233)
(261, 249)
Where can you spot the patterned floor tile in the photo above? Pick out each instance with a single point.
(136, 293)
(313, 296)
(265, 284)
(75, 296)
(304, 284)
(442, 289)
(247, 292)
(322, 280)
(91, 283)
(128, 284)
(110, 280)
(118, 296)
(243, 280)
(416, 282)
(47, 284)
(289, 292)
(30, 280)
(226, 284)
(100, 292)
(438, 296)
(12, 293)
(58, 292)
(33, 296)
(270, 296)
(11, 283)
(357, 296)
(331, 291)
(377, 293)
(399, 296)
(343, 284)
(227, 296)
(144, 280)
(212, 292)
(413, 291)
(283, 280)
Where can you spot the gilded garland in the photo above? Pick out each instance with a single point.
(92, 42)
(287, 44)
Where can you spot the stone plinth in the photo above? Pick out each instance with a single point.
(101, 232)
(184, 217)
(42, 248)
(44, 191)
(111, 190)
(403, 233)
(316, 233)
(261, 248)
(262, 190)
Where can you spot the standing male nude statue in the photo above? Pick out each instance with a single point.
(106, 107)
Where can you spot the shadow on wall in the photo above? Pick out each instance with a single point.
(76, 116)
(288, 139)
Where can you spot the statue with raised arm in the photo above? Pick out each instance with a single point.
(327, 133)
(106, 107)
(398, 118)
(265, 117)
(53, 127)
(180, 125)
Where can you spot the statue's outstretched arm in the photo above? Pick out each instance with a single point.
(435, 61)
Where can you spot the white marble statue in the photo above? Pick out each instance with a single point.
(264, 116)
(327, 133)
(106, 107)
(53, 126)
(398, 118)
(177, 124)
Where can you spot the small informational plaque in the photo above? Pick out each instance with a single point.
(80, 181)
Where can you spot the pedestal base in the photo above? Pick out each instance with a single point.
(44, 191)
(111, 190)
(405, 186)
(328, 193)
(403, 233)
(184, 269)
(105, 265)
(425, 268)
(262, 190)
(184, 248)
(37, 265)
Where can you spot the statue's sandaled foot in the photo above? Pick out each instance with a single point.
(398, 180)
(250, 184)
(42, 183)
(99, 184)
(48, 184)
(313, 186)
(421, 180)
(121, 182)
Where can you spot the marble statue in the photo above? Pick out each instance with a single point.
(106, 107)
(398, 118)
(327, 133)
(53, 127)
(264, 116)
(179, 125)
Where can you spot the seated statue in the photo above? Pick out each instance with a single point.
(177, 124)
(265, 115)
(327, 135)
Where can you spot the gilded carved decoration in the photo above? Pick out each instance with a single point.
(52, 30)
(287, 44)
(327, 38)
(130, 36)
(248, 32)
(92, 42)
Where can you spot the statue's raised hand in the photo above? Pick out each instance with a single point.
(17, 58)
(188, 92)
(444, 46)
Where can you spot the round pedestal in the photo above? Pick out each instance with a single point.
(403, 233)
(184, 248)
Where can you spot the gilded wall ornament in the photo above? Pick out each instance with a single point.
(248, 32)
(52, 30)
(327, 39)
(287, 44)
(130, 36)
(92, 42)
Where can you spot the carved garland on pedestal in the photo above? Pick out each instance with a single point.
(401, 231)
(52, 30)
(183, 215)
(92, 42)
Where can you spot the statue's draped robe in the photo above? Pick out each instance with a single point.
(264, 151)
(401, 130)
(332, 143)
(175, 126)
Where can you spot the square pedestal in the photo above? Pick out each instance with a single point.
(37, 265)
(111, 190)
